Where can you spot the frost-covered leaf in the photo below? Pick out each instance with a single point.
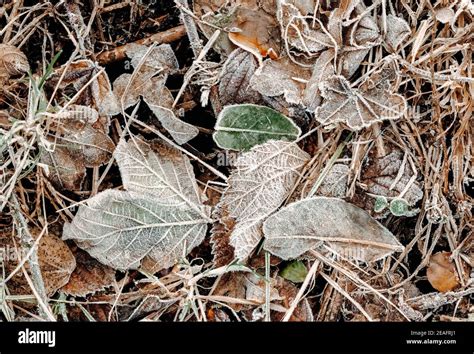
(335, 182)
(399, 207)
(160, 216)
(234, 85)
(281, 77)
(379, 179)
(301, 32)
(12, 61)
(56, 262)
(358, 107)
(365, 32)
(240, 127)
(120, 228)
(294, 271)
(322, 69)
(343, 227)
(397, 31)
(63, 170)
(350, 59)
(260, 182)
(444, 14)
(88, 277)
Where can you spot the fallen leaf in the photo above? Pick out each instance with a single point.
(442, 273)
(261, 181)
(397, 31)
(13, 61)
(241, 127)
(358, 107)
(335, 182)
(322, 69)
(344, 228)
(234, 84)
(88, 277)
(63, 170)
(160, 216)
(281, 77)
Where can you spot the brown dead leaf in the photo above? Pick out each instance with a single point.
(63, 170)
(397, 31)
(234, 85)
(288, 291)
(442, 273)
(322, 69)
(89, 276)
(13, 62)
(281, 77)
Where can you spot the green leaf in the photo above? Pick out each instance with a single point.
(295, 271)
(399, 207)
(240, 127)
(380, 204)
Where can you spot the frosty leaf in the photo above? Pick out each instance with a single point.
(380, 204)
(302, 33)
(260, 182)
(358, 108)
(234, 85)
(379, 179)
(399, 207)
(120, 228)
(335, 183)
(350, 60)
(343, 227)
(13, 61)
(240, 127)
(323, 68)
(89, 276)
(281, 77)
(294, 271)
(397, 31)
(365, 33)
(63, 170)
(56, 262)
(160, 59)
(181, 131)
(445, 14)
(158, 170)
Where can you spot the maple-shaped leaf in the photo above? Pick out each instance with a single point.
(343, 227)
(234, 83)
(281, 77)
(160, 216)
(360, 107)
(261, 181)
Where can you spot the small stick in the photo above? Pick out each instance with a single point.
(117, 54)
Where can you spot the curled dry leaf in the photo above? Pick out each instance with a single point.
(322, 69)
(359, 107)
(260, 182)
(388, 177)
(316, 222)
(442, 273)
(160, 216)
(397, 31)
(13, 61)
(88, 277)
(234, 84)
(281, 77)
(241, 127)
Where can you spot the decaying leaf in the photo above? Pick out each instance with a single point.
(241, 127)
(379, 179)
(88, 277)
(442, 273)
(397, 31)
(234, 85)
(281, 77)
(56, 262)
(287, 292)
(13, 61)
(322, 69)
(316, 222)
(260, 182)
(358, 107)
(160, 216)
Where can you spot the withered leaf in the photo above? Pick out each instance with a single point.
(13, 61)
(397, 31)
(160, 216)
(234, 84)
(341, 226)
(88, 277)
(63, 170)
(322, 69)
(442, 273)
(365, 32)
(358, 107)
(281, 77)
(335, 182)
(260, 182)
(56, 262)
